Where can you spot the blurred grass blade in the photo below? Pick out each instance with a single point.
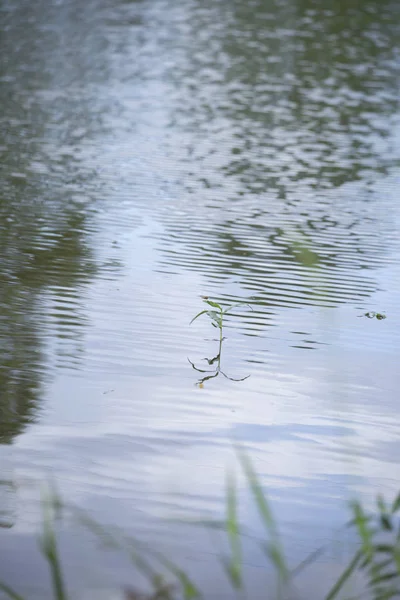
(381, 505)
(106, 537)
(381, 578)
(309, 560)
(10, 592)
(234, 566)
(384, 514)
(361, 522)
(57, 504)
(233, 573)
(347, 573)
(143, 566)
(383, 564)
(396, 557)
(189, 589)
(274, 550)
(260, 499)
(386, 522)
(396, 504)
(48, 545)
(110, 541)
(383, 548)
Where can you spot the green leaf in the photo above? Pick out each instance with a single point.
(111, 540)
(396, 556)
(274, 553)
(188, 588)
(309, 560)
(232, 528)
(233, 573)
(384, 548)
(361, 522)
(386, 593)
(136, 552)
(214, 316)
(265, 513)
(347, 573)
(380, 566)
(48, 545)
(198, 315)
(396, 504)
(381, 505)
(383, 577)
(386, 523)
(367, 560)
(236, 305)
(10, 592)
(261, 501)
(213, 304)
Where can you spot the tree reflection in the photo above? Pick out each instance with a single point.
(31, 266)
(287, 110)
(45, 252)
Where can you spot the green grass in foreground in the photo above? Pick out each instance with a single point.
(377, 556)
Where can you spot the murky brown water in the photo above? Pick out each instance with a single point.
(154, 151)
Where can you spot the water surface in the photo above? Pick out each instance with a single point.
(152, 152)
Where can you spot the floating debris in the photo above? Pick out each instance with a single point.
(374, 315)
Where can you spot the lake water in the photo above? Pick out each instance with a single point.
(155, 151)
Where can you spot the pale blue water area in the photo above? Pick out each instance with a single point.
(154, 152)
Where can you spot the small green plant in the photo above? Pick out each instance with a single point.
(378, 556)
(217, 320)
(217, 315)
(379, 534)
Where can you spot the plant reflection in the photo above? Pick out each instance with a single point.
(212, 374)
